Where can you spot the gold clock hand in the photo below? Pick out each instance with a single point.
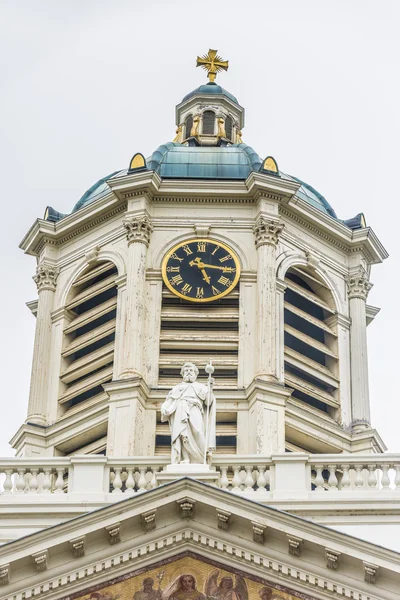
(205, 276)
(196, 262)
(224, 269)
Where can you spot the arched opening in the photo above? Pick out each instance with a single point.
(88, 348)
(311, 354)
(229, 127)
(188, 126)
(208, 122)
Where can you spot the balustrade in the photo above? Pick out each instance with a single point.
(33, 476)
(358, 473)
(256, 476)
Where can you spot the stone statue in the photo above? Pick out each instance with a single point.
(190, 410)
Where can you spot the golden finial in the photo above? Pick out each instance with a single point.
(212, 63)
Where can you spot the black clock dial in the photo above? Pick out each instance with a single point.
(201, 270)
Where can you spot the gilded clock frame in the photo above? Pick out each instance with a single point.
(190, 241)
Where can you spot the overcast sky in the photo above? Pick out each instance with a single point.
(86, 84)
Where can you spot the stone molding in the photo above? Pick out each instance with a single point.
(358, 285)
(371, 572)
(148, 520)
(92, 255)
(40, 560)
(114, 533)
(186, 508)
(46, 277)
(5, 572)
(294, 545)
(78, 546)
(138, 229)
(332, 558)
(223, 519)
(267, 231)
(259, 532)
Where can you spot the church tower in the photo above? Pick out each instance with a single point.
(120, 309)
(206, 256)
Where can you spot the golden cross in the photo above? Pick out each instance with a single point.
(212, 63)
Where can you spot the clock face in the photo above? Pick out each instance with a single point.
(201, 270)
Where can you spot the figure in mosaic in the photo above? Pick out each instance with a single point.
(147, 592)
(183, 588)
(190, 410)
(225, 590)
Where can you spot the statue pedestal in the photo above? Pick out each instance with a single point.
(196, 471)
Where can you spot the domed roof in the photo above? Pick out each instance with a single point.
(177, 161)
(211, 88)
(173, 160)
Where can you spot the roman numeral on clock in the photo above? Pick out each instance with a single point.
(224, 281)
(224, 258)
(186, 289)
(176, 280)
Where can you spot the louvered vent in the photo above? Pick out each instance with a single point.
(208, 122)
(197, 332)
(88, 353)
(228, 127)
(311, 367)
(188, 126)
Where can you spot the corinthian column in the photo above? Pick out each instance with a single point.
(138, 230)
(266, 231)
(45, 279)
(358, 288)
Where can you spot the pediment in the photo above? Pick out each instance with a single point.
(190, 527)
(189, 576)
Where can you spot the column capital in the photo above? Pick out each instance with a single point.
(138, 229)
(266, 231)
(46, 277)
(358, 285)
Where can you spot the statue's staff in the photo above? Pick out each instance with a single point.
(210, 370)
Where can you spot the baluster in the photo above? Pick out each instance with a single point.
(130, 483)
(7, 485)
(372, 479)
(359, 480)
(319, 479)
(236, 481)
(223, 480)
(59, 484)
(142, 483)
(385, 480)
(117, 484)
(46, 481)
(346, 482)
(333, 480)
(33, 484)
(248, 480)
(397, 478)
(153, 480)
(20, 481)
(261, 480)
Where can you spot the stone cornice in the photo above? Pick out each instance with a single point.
(334, 232)
(203, 536)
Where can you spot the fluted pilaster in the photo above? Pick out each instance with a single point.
(138, 231)
(266, 231)
(46, 280)
(358, 287)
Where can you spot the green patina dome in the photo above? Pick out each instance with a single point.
(177, 161)
(211, 89)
